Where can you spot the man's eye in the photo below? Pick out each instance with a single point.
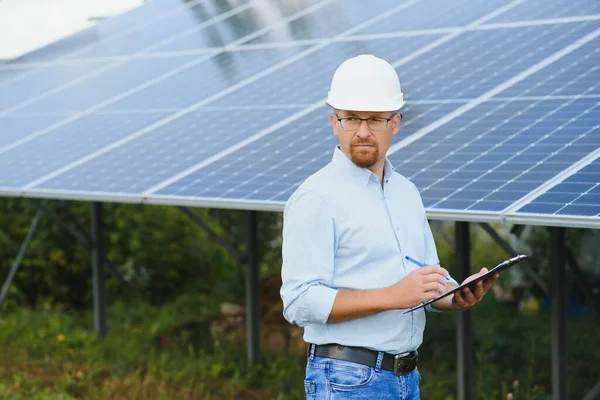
(351, 119)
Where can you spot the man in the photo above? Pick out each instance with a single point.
(347, 230)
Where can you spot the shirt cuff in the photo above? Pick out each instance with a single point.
(429, 308)
(318, 303)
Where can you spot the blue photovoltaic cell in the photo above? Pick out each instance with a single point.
(151, 12)
(331, 20)
(9, 72)
(204, 79)
(542, 9)
(576, 74)
(431, 14)
(272, 167)
(307, 79)
(15, 126)
(124, 76)
(236, 27)
(66, 144)
(16, 91)
(498, 152)
(172, 23)
(578, 195)
(166, 151)
(458, 69)
(482, 60)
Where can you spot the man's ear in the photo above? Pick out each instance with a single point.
(396, 123)
(334, 124)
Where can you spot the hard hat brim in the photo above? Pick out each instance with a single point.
(394, 104)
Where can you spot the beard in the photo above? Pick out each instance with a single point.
(364, 157)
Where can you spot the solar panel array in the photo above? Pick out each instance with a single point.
(221, 104)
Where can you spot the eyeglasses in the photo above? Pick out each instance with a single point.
(374, 124)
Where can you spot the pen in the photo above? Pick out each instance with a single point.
(418, 263)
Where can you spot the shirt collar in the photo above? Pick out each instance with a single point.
(361, 174)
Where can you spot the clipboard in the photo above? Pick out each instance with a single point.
(498, 268)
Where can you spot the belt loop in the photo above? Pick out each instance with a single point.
(311, 354)
(379, 361)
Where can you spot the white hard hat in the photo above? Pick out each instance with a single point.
(365, 83)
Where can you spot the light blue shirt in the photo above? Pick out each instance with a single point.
(342, 230)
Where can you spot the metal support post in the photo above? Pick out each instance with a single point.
(559, 313)
(72, 227)
(21, 255)
(583, 284)
(98, 269)
(252, 306)
(464, 334)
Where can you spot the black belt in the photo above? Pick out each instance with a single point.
(400, 364)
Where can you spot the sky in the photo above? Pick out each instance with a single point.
(26, 25)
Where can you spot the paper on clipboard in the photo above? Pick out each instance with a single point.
(498, 268)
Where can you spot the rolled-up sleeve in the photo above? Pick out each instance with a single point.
(308, 256)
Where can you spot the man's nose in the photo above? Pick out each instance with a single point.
(363, 130)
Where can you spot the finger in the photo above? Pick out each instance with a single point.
(459, 300)
(434, 286)
(488, 282)
(431, 295)
(483, 271)
(479, 290)
(468, 295)
(435, 278)
(432, 269)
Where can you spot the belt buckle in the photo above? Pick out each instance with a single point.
(398, 357)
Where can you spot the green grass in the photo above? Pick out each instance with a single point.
(52, 354)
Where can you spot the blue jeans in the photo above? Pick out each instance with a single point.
(330, 379)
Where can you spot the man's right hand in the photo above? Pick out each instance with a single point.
(417, 286)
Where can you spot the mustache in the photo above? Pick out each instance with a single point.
(363, 142)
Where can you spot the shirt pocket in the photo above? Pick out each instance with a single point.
(410, 234)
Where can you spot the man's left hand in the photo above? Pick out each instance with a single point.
(469, 296)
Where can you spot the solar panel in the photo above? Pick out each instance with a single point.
(435, 14)
(577, 195)
(306, 80)
(540, 9)
(104, 85)
(176, 18)
(69, 142)
(15, 90)
(516, 144)
(250, 21)
(202, 78)
(16, 127)
(447, 72)
(222, 105)
(271, 168)
(167, 150)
